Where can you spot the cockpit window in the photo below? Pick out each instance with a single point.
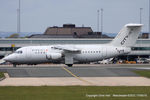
(18, 52)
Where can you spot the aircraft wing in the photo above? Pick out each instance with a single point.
(67, 48)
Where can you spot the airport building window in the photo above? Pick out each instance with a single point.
(8, 48)
(140, 48)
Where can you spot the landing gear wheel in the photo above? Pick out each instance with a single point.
(14, 65)
(69, 65)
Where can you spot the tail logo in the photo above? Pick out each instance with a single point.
(124, 40)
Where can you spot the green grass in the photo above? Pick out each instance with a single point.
(145, 73)
(1, 75)
(72, 93)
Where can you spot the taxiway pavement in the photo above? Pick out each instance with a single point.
(60, 75)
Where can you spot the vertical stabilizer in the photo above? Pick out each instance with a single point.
(127, 36)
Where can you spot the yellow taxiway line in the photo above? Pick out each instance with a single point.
(77, 76)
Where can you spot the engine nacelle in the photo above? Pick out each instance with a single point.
(53, 56)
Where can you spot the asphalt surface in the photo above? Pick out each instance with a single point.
(80, 71)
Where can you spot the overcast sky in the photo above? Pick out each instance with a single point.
(37, 15)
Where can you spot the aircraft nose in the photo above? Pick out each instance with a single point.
(9, 58)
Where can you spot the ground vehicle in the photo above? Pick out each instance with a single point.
(142, 60)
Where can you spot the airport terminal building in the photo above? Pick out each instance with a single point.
(7, 46)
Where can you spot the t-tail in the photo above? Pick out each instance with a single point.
(127, 36)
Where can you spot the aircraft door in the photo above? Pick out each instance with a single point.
(104, 52)
(28, 53)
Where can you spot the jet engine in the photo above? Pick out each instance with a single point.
(53, 56)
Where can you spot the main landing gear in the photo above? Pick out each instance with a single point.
(14, 65)
(69, 65)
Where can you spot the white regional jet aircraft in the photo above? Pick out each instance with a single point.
(70, 54)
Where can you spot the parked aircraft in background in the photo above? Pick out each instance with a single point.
(70, 54)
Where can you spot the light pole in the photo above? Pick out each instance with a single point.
(141, 15)
(97, 20)
(149, 18)
(102, 20)
(18, 18)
